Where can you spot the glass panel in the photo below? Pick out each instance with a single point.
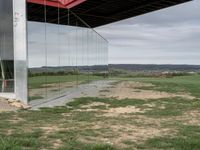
(68, 55)
(53, 73)
(65, 59)
(81, 54)
(62, 57)
(73, 50)
(6, 47)
(36, 61)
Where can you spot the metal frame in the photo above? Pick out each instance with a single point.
(20, 49)
(61, 3)
(6, 42)
(101, 12)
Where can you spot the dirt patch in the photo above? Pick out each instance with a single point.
(130, 90)
(90, 107)
(110, 112)
(18, 104)
(50, 129)
(57, 144)
(138, 134)
(118, 132)
(138, 130)
(114, 112)
(154, 106)
(190, 118)
(5, 106)
(16, 119)
(95, 104)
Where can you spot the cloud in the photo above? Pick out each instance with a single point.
(166, 36)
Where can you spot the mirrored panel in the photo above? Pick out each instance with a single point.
(6, 47)
(53, 70)
(36, 61)
(63, 57)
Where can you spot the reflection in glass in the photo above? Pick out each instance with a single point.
(62, 57)
(6, 47)
(36, 61)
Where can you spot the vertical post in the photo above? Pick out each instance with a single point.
(2, 74)
(20, 49)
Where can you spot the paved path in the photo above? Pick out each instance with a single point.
(85, 90)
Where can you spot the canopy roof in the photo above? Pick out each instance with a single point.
(58, 3)
(95, 12)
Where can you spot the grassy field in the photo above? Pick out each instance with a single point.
(38, 81)
(189, 84)
(111, 124)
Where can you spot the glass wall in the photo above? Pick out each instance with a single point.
(6, 47)
(61, 57)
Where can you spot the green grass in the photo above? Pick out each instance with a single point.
(104, 91)
(78, 129)
(189, 84)
(112, 102)
(27, 134)
(187, 139)
(35, 97)
(72, 144)
(172, 107)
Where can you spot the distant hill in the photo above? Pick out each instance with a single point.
(126, 67)
(95, 68)
(155, 68)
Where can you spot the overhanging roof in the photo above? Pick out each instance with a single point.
(100, 12)
(58, 3)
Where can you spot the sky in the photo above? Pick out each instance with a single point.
(167, 36)
(61, 45)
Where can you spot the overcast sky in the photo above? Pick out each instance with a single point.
(167, 36)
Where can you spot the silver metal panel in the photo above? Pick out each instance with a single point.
(20, 49)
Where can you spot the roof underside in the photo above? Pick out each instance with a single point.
(99, 12)
(58, 3)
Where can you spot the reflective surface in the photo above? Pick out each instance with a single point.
(62, 57)
(6, 47)
(20, 50)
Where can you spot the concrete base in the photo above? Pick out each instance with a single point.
(8, 95)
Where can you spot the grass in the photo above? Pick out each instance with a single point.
(187, 139)
(27, 128)
(104, 91)
(35, 97)
(190, 84)
(39, 81)
(112, 102)
(72, 127)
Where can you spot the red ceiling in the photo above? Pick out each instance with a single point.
(58, 3)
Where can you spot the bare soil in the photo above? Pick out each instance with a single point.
(190, 118)
(144, 129)
(5, 106)
(131, 90)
